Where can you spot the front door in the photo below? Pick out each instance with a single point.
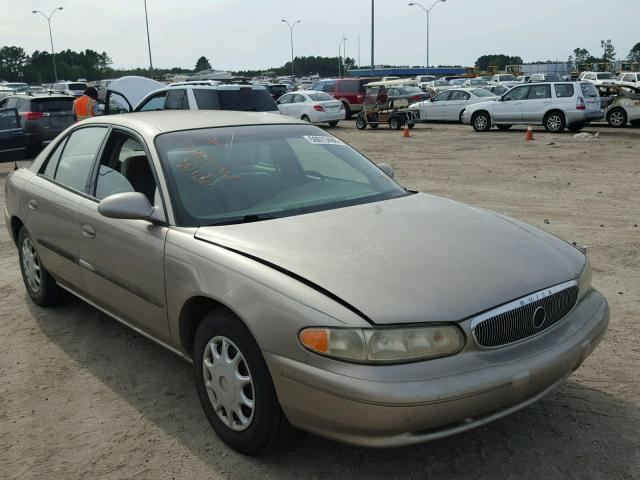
(508, 109)
(537, 103)
(12, 140)
(123, 260)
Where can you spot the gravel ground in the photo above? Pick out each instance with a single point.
(83, 397)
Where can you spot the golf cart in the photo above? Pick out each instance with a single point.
(379, 108)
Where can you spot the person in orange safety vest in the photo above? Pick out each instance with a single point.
(87, 105)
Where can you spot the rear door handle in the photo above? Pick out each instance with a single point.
(88, 231)
(33, 204)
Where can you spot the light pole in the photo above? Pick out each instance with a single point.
(53, 55)
(146, 19)
(372, 36)
(344, 40)
(291, 33)
(427, 10)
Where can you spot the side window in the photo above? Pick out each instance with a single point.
(393, 92)
(8, 120)
(77, 157)
(12, 103)
(537, 92)
(298, 99)
(124, 167)
(466, 96)
(206, 98)
(52, 163)
(456, 95)
(518, 93)
(285, 99)
(318, 86)
(329, 87)
(441, 97)
(177, 100)
(563, 90)
(154, 103)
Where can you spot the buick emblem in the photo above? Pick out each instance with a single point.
(539, 316)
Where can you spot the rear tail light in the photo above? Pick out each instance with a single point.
(416, 98)
(580, 105)
(33, 115)
(318, 108)
(360, 97)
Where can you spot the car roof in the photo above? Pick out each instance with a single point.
(162, 121)
(41, 95)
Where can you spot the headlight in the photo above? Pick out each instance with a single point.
(584, 281)
(384, 345)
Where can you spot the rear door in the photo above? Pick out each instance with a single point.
(454, 105)
(591, 96)
(537, 103)
(12, 140)
(176, 99)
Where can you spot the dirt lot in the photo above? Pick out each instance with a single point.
(83, 397)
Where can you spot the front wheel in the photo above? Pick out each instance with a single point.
(554, 122)
(235, 388)
(395, 123)
(617, 118)
(40, 285)
(361, 123)
(333, 124)
(481, 122)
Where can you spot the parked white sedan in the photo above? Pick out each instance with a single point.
(312, 106)
(449, 105)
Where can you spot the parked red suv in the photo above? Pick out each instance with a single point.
(350, 91)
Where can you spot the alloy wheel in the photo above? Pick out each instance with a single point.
(554, 122)
(480, 122)
(31, 265)
(617, 118)
(228, 383)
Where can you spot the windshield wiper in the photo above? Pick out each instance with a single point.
(250, 218)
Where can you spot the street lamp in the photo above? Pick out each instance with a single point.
(53, 55)
(291, 33)
(146, 19)
(344, 40)
(427, 10)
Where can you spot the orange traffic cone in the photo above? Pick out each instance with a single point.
(529, 133)
(405, 132)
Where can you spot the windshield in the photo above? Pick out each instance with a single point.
(604, 76)
(321, 97)
(52, 105)
(440, 83)
(238, 174)
(410, 90)
(476, 81)
(77, 86)
(480, 92)
(506, 78)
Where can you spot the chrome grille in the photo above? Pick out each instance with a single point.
(525, 317)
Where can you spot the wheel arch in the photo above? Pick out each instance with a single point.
(16, 225)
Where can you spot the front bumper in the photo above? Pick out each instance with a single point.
(390, 406)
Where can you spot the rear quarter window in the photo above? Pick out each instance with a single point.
(589, 90)
(564, 90)
(246, 100)
(349, 86)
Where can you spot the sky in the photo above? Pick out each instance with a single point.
(249, 34)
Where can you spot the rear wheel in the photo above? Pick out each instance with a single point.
(40, 285)
(617, 118)
(235, 388)
(395, 123)
(347, 110)
(333, 124)
(504, 127)
(576, 127)
(361, 123)
(554, 122)
(306, 118)
(481, 122)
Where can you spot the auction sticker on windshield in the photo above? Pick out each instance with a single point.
(322, 140)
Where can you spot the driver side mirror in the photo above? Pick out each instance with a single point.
(129, 206)
(386, 168)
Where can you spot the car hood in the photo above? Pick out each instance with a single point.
(418, 258)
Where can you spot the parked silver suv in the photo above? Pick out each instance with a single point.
(555, 105)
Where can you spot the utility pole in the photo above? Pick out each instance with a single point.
(53, 53)
(291, 26)
(372, 35)
(146, 18)
(358, 50)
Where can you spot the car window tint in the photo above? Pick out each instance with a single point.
(537, 92)
(349, 86)
(456, 95)
(441, 97)
(8, 120)
(298, 99)
(206, 99)
(78, 155)
(563, 90)
(177, 100)
(246, 99)
(52, 163)
(312, 159)
(52, 105)
(285, 99)
(589, 90)
(321, 97)
(154, 103)
(518, 93)
(124, 167)
(329, 87)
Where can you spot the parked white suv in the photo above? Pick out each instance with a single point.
(555, 105)
(70, 88)
(505, 79)
(139, 94)
(629, 78)
(597, 78)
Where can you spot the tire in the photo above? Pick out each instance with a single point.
(40, 285)
(306, 118)
(266, 427)
(361, 123)
(555, 122)
(504, 127)
(347, 111)
(481, 122)
(576, 127)
(333, 124)
(395, 123)
(617, 118)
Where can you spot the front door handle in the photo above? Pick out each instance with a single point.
(33, 204)
(88, 231)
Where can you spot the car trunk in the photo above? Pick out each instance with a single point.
(57, 114)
